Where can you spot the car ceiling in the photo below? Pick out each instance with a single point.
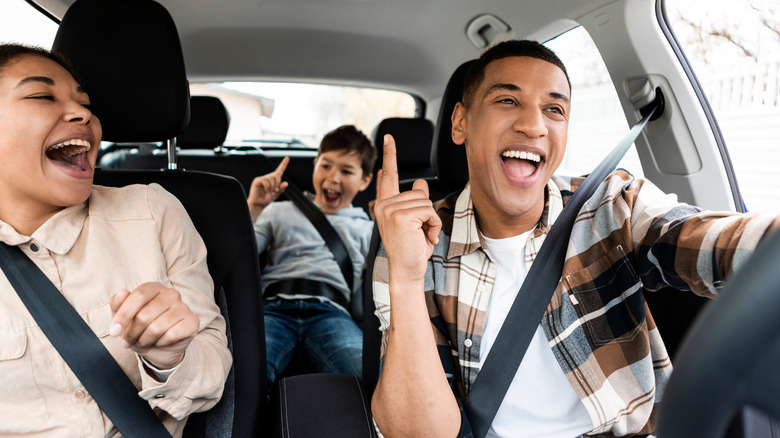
(409, 45)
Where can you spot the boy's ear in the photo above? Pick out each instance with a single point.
(366, 181)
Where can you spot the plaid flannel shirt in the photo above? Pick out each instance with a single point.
(629, 235)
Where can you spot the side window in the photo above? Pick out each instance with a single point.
(597, 121)
(21, 23)
(734, 50)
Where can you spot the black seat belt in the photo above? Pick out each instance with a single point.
(81, 349)
(326, 230)
(524, 316)
(329, 235)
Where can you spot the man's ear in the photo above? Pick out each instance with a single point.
(366, 181)
(459, 124)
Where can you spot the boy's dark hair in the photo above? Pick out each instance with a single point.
(506, 49)
(349, 139)
(11, 51)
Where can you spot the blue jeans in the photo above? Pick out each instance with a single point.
(326, 336)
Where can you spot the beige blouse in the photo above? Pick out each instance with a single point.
(119, 238)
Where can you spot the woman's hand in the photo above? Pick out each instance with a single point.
(154, 322)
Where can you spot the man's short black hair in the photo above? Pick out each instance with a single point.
(506, 49)
(349, 139)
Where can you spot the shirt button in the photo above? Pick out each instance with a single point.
(467, 342)
(80, 394)
(34, 247)
(159, 396)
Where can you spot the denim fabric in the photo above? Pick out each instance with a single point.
(328, 339)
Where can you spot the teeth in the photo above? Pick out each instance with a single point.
(82, 146)
(523, 155)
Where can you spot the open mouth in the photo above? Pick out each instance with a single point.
(331, 196)
(521, 164)
(70, 153)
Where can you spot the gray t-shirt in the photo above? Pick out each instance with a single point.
(296, 249)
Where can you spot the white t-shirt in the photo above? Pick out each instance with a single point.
(540, 402)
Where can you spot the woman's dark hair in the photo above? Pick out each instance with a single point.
(506, 49)
(349, 139)
(12, 51)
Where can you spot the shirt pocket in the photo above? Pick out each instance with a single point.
(607, 296)
(22, 406)
(99, 320)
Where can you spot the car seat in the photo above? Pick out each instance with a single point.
(127, 55)
(448, 162)
(413, 137)
(204, 135)
(208, 126)
(201, 147)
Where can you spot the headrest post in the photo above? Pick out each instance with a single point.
(170, 145)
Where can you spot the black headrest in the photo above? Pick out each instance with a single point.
(447, 158)
(413, 142)
(209, 123)
(128, 57)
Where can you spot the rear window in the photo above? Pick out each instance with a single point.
(276, 114)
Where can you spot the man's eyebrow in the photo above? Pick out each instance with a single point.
(503, 87)
(513, 87)
(560, 96)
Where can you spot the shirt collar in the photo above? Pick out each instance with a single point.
(58, 234)
(466, 237)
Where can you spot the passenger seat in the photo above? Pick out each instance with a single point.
(138, 87)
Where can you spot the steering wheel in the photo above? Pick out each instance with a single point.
(731, 356)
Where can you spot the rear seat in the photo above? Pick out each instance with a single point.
(413, 138)
(200, 147)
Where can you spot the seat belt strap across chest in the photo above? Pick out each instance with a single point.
(329, 235)
(524, 316)
(81, 349)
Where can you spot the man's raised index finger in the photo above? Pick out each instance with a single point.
(388, 185)
(282, 165)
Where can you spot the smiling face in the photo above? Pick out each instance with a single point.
(337, 178)
(514, 130)
(48, 140)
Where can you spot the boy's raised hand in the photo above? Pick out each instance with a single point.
(265, 189)
(407, 222)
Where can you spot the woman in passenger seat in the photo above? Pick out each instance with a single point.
(129, 260)
(306, 295)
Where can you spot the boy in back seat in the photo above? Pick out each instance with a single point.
(306, 295)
